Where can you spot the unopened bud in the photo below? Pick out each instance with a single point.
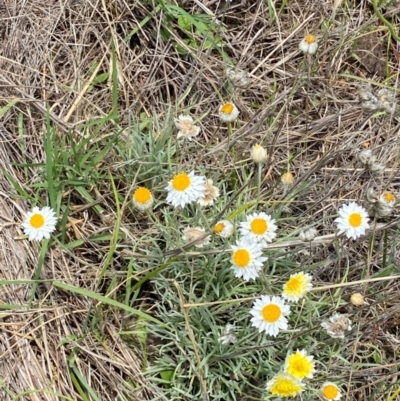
(287, 178)
(357, 299)
(259, 154)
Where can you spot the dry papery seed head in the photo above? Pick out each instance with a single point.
(186, 126)
(193, 233)
(239, 78)
(379, 205)
(365, 93)
(337, 325)
(383, 99)
(364, 156)
(377, 168)
(370, 162)
(308, 235)
(387, 100)
(210, 193)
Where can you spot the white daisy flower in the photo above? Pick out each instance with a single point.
(193, 233)
(309, 44)
(269, 315)
(224, 228)
(211, 193)
(353, 220)
(39, 224)
(259, 154)
(297, 286)
(228, 112)
(143, 198)
(259, 227)
(247, 259)
(186, 127)
(330, 391)
(185, 188)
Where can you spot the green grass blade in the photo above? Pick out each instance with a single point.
(7, 107)
(114, 239)
(105, 300)
(49, 162)
(38, 272)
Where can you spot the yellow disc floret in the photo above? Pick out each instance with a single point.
(241, 258)
(355, 219)
(37, 220)
(330, 391)
(285, 385)
(300, 365)
(389, 197)
(310, 39)
(271, 313)
(142, 195)
(294, 285)
(181, 182)
(259, 226)
(227, 108)
(219, 227)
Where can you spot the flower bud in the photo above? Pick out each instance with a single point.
(259, 154)
(287, 178)
(357, 299)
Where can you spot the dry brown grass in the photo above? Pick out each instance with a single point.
(296, 106)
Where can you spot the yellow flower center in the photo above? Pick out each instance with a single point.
(330, 392)
(259, 226)
(219, 227)
(142, 195)
(389, 197)
(310, 39)
(294, 285)
(227, 108)
(355, 220)
(181, 182)
(241, 258)
(285, 388)
(271, 313)
(299, 366)
(37, 220)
